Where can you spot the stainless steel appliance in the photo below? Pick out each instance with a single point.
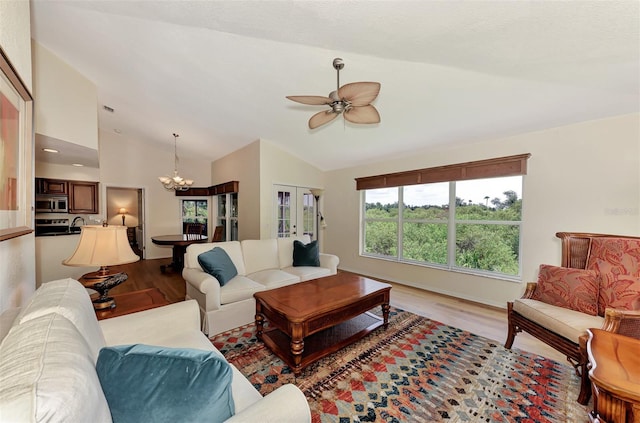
(52, 204)
(52, 226)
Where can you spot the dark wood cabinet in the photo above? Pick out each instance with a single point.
(83, 197)
(226, 188)
(51, 186)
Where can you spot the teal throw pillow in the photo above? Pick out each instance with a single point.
(306, 254)
(218, 264)
(144, 383)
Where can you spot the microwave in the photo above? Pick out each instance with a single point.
(52, 204)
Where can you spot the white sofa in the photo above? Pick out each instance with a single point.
(49, 350)
(261, 264)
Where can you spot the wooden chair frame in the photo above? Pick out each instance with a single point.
(576, 247)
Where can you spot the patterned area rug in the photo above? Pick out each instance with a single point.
(417, 370)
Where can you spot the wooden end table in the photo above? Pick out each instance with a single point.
(310, 320)
(615, 377)
(132, 302)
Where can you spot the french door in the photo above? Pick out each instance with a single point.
(294, 212)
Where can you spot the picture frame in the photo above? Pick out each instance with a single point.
(16, 153)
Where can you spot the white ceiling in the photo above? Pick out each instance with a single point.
(217, 72)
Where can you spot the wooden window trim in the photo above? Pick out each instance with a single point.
(481, 169)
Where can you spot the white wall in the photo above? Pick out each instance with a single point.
(135, 163)
(584, 177)
(17, 278)
(67, 102)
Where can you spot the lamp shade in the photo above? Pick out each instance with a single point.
(102, 246)
(122, 211)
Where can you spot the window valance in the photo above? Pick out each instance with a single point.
(490, 168)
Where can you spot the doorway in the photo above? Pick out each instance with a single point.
(294, 212)
(125, 206)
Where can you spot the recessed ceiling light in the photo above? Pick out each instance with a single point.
(50, 150)
(77, 165)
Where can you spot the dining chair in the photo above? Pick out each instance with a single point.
(218, 233)
(194, 229)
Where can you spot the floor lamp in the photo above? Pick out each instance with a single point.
(317, 192)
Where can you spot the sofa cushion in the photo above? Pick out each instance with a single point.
(619, 291)
(614, 256)
(232, 248)
(285, 249)
(306, 273)
(306, 254)
(567, 323)
(160, 384)
(47, 373)
(575, 289)
(238, 289)
(260, 254)
(273, 278)
(217, 263)
(69, 298)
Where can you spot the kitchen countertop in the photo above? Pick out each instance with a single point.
(70, 232)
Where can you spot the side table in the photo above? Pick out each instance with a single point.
(615, 377)
(132, 302)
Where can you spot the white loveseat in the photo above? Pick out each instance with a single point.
(262, 264)
(49, 350)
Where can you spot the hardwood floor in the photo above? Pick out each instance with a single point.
(487, 321)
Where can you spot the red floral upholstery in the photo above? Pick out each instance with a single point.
(575, 289)
(620, 292)
(617, 260)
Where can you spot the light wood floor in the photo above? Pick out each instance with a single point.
(487, 321)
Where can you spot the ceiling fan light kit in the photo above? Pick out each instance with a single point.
(352, 100)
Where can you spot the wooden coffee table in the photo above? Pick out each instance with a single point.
(310, 320)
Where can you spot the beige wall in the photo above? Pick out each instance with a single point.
(258, 167)
(243, 165)
(134, 163)
(582, 177)
(17, 278)
(67, 102)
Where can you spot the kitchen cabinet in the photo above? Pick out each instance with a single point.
(51, 186)
(83, 197)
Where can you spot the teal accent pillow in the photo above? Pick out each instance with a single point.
(144, 383)
(306, 254)
(218, 264)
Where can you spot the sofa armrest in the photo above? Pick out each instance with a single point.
(529, 290)
(624, 322)
(157, 322)
(287, 404)
(329, 261)
(206, 284)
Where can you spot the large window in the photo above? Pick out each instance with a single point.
(195, 211)
(467, 223)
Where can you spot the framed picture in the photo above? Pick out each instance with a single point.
(16, 152)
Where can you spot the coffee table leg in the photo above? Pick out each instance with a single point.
(385, 314)
(259, 320)
(297, 347)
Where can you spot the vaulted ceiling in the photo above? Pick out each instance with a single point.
(452, 72)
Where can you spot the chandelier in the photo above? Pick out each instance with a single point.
(175, 182)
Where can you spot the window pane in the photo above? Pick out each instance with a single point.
(381, 238)
(489, 199)
(495, 248)
(425, 242)
(428, 201)
(188, 208)
(381, 203)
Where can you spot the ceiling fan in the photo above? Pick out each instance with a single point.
(352, 100)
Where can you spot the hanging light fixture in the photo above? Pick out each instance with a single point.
(175, 182)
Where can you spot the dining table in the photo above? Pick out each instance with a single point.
(179, 244)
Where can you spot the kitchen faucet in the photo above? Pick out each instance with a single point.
(73, 224)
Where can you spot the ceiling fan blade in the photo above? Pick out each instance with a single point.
(313, 100)
(362, 114)
(321, 118)
(359, 93)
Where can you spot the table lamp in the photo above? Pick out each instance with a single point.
(122, 211)
(102, 246)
